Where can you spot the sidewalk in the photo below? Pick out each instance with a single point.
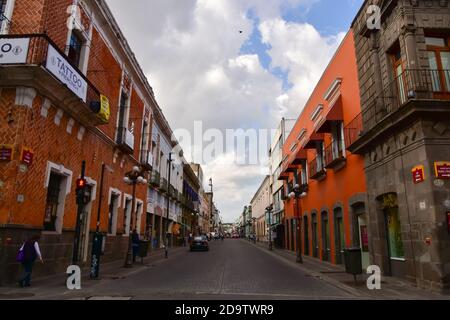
(53, 286)
(391, 288)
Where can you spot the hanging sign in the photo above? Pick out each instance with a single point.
(104, 111)
(63, 71)
(14, 50)
(6, 152)
(418, 174)
(27, 156)
(442, 170)
(448, 222)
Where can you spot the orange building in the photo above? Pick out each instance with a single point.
(331, 210)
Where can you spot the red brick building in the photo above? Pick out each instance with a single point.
(59, 58)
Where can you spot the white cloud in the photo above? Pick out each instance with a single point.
(190, 51)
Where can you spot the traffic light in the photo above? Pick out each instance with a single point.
(81, 185)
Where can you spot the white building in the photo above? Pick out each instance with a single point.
(276, 186)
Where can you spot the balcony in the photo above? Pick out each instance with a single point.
(422, 91)
(155, 179)
(316, 170)
(147, 160)
(334, 157)
(40, 64)
(125, 140)
(163, 187)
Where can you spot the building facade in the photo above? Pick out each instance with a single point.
(404, 134)
(331, 212)
(261, 200)
(276, 185)
(71, 91)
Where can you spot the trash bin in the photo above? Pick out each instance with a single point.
(143, 248)
(353, 263)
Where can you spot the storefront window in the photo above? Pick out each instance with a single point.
(394, 233)
(51, 208)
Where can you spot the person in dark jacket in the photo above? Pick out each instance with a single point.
(31, 252)
(135, 243)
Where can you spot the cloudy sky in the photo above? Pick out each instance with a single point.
(232, 64)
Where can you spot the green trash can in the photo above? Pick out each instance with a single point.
(353, 261)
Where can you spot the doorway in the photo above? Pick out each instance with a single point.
(306, 234)
(360, 232)
(339, 235)
(325, 237)
(315, 243)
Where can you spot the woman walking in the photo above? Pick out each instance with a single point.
(29, 253)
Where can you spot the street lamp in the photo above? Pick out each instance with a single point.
(211, 203)
(269, 210)
(134, 177)
(297, 194)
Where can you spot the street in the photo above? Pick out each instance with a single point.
(231, 269)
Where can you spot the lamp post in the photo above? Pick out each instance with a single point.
(166, 231)
(297, 195)
(133, 178)
(211, 202)
(269, 210)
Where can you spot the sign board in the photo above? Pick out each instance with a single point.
(442, 170)
(364, 239)
(14, 50)
(104, 111)
(448, 222)
(6, 152)
(418, 174)
(27, 156)
(63, 71)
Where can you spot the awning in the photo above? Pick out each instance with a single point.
(335, 113)
(170, 227)
(315, 137)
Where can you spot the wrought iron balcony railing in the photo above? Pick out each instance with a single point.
(317, 169)
(155, 179)
(125, 140)
(411, 85)
(334, 155)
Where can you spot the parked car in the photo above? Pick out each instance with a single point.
(200, 244)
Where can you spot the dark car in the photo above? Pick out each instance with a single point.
(200, 244)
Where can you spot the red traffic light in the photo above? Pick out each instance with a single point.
(81, 183)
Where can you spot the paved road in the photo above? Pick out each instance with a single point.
(232, 269)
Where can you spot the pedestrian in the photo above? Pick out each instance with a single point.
(135, 241)
(28, 254)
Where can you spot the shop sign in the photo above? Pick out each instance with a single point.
(442, 170)
(448, 221)
(104, 111)
(64, 72)
(6, 152)
(364, 239)
(27, 156)
(418, 174)
(14, 50)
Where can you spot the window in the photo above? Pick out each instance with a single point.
(399, 75)
(320, 156)
(112, 213)
(438, 51)
(75, 49)
(52, 203)
(338, 144)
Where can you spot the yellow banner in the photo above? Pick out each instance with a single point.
(104, 112)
